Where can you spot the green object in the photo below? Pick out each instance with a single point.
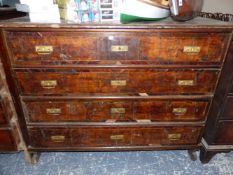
(125, 18)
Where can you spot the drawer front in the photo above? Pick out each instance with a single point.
(113, 137)
(35, 48)
(38, 47)
(228, 109)
(224, 133)
(115, 110)
(6, 140)
(184, 48)
(123, 81)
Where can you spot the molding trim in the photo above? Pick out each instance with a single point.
(215, 147)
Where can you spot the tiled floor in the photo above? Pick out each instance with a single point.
(116, 163)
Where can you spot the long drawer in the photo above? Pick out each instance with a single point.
(7, 142)
(113, 137)
(117, 81)
(61, 48)
(56, 110)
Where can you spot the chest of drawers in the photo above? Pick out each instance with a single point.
(114, 87)
(218, 136)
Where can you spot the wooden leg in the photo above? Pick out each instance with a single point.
(193, 154)
(31, 157)
(206, 156)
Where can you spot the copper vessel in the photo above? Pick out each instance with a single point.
(183, 10)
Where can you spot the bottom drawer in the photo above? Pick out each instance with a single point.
(224, 133)
(6, 140)
(113, 136)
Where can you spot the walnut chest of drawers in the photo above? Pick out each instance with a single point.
(114, 87)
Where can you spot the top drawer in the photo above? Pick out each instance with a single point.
(66, 48)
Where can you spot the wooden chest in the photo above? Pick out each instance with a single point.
(218, 136)
(114, 87)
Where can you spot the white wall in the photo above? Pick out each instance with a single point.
(222, 6)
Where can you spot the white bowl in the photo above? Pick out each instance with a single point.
(136, 10)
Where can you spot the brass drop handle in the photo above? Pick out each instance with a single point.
(179, 111)
(53, 111)
(44, 49)
(185, 82)
(117, 137)
(48, 84)
(119, 48)
(117, 110)
(192, 49)
(58, 138)
(118, 82)
(174, 136)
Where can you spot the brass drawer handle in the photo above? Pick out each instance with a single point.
(119, 48)
(117, 110)
(118, 82)
(58, 138)
(185, 82)
(48, 84)
(117, 137)
(53, 111)
(174, 136)
(179, 111)
(44, 49)
(192, 49)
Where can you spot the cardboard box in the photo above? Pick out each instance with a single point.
(44, 17)
(37, 2)
(36, 8)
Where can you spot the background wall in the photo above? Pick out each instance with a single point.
(10, 2)
(223, 6)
